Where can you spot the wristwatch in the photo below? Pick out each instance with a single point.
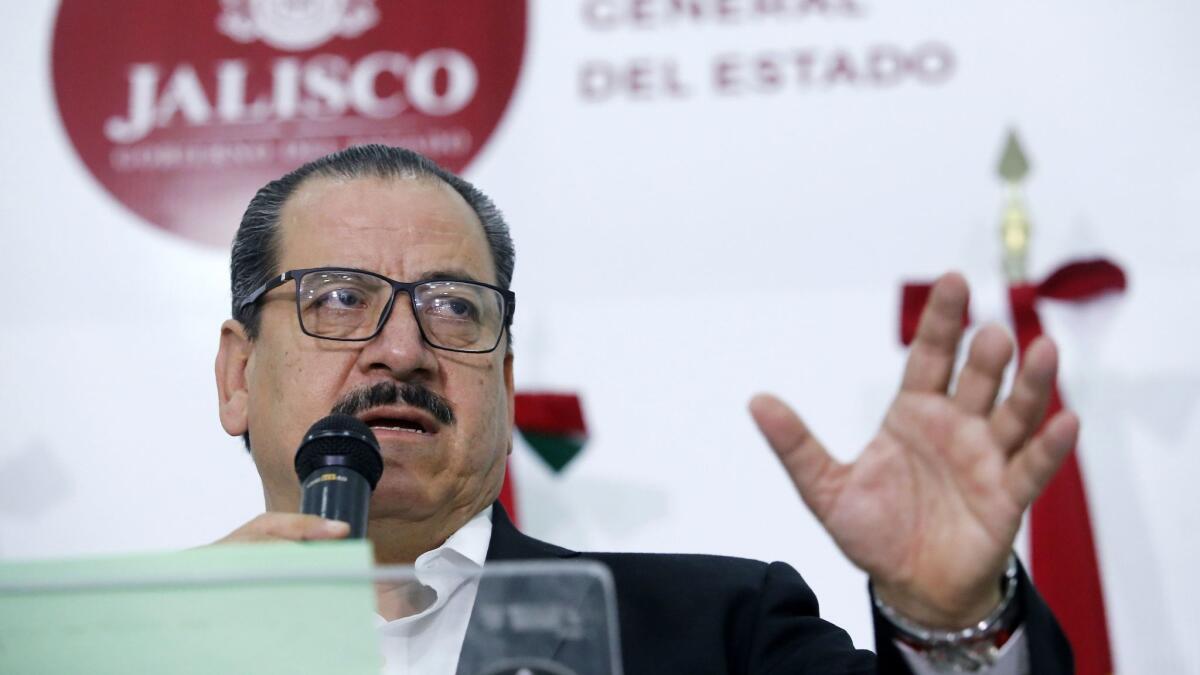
(970, 649)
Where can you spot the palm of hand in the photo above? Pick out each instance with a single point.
(931, 506)
(924, 491)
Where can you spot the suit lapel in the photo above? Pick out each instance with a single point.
(508, 544)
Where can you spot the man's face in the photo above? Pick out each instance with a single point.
(408, 230)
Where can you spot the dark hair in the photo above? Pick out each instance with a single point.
(256, 245)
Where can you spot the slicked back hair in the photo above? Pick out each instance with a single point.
(255, 252)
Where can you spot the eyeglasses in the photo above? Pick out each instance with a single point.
(352, 305)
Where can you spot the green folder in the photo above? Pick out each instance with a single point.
(266, 608)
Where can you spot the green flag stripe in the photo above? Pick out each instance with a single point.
(556, 449)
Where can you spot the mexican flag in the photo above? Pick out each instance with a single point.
(552, 425)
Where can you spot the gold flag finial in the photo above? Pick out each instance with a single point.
(1014, 225)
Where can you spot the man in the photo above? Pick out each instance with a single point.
(374, 283)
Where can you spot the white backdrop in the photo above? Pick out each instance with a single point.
(777, 225)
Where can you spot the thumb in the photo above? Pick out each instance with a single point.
(815, 474)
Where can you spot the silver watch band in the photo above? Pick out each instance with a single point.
(969, 649)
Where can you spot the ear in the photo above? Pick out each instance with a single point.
(233, 358)
(512, 406)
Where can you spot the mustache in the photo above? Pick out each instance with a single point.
(391, 393)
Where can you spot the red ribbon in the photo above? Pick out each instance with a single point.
(1061, 542)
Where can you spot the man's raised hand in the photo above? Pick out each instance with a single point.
(931, 506)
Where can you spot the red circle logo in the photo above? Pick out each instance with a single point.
(183, 109)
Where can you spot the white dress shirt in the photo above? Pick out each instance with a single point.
(430, 641)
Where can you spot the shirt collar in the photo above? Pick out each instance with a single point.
(467, 547)
(447, 568)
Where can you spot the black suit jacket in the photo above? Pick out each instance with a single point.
(701, 614)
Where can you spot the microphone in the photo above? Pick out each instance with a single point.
(339, 464)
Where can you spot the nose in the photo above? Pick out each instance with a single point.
(398, 349)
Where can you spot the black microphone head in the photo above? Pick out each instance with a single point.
(340, 440)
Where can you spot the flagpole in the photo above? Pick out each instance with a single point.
(1015, 227)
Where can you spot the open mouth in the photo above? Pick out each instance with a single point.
(394, 421)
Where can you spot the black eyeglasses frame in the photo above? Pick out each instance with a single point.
(508, 297)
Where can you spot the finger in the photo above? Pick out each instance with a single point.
(302, 527)
(935, 346)
(980, 379)
(1033, 467)
(806, 461)
(1018, 417)
(275, 526)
